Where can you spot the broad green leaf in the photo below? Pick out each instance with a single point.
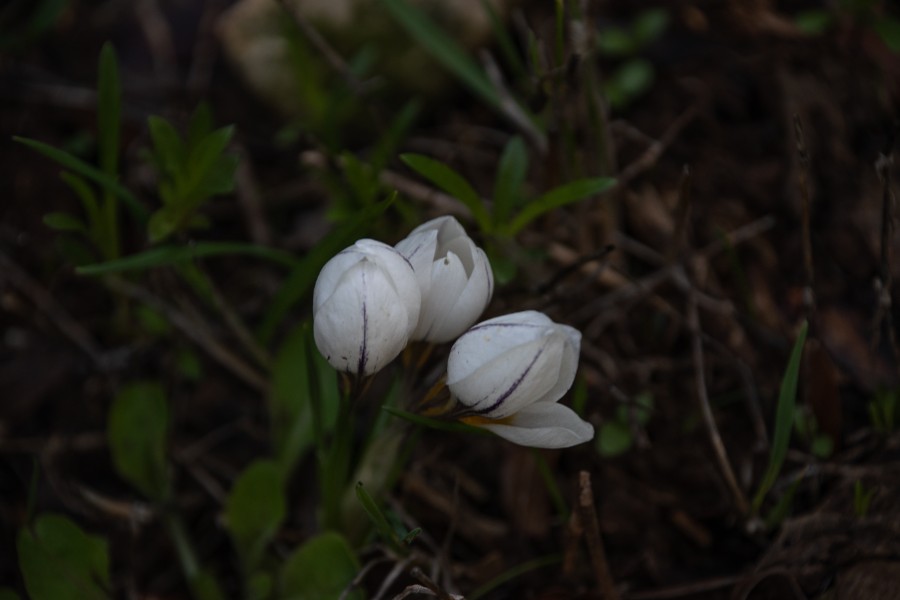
(889, 31)
(169, 151)
(169, 255)
(634, 77)
(451, 182)
(443, 48)
(165, 222)
(200, 126)
(76, 165)
(510, 177)
(565, 194)
(290, 399)
(205, 586)
(109, 100)
(616, 42)
(320, 569)
(304, 273)
(137, 430)
(8, 594)
(304, 400)
(207, 174)
(255, 509)
(784, 418)
(59, 561)
(649, 25)
(813, 22)
(613, 439)
(61, 221)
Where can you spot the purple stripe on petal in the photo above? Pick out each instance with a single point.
(363, 346)
(515, 385)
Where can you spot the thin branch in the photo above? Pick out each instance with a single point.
(809, 299)
(884, 283)
(195, 332)
(46, 303)
(712, 430)
(590, 522)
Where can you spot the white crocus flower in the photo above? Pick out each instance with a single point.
(511, 371)
(454, 276)
(365, 306)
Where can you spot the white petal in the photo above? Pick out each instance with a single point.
(488, 339)
(568, 344)
(448, 280)
(419, 249)
(510, 381)
(402, 277)
(470, 304)
(362, 325)
(544, 426)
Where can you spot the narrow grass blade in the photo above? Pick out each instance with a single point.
(564, 194)
(76, 165)
(784, 419)
(517, 571)
(443, 48)
(510, 177)
(451, 182)
(452, 426)
(384, 528)
(167, 255)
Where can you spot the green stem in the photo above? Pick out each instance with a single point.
(186, 556)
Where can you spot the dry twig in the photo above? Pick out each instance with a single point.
(591, 524)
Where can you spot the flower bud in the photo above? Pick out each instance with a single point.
(365, 306)
(454, 277)
(511, 371)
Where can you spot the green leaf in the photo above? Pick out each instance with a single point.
(616, 42)
(77, 165)
(304, 273)
(649, 25)
(8, 594)
(170, 255)
(137, 430)
(210, 172)
(889, 31)
(109, 100)
(510, 177)
(614, 439)
(633, 78)
(42, 15)
(564, 194)
(255, 509)
(88, 200)
(784, 418)
(59, 561)
(304, 397)
(169, 151)
(452, 426)
(320, 569)
(813, 22)
(378, 519)
(443, 48)
(451, 182)
(61, 221)
(200, 126)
